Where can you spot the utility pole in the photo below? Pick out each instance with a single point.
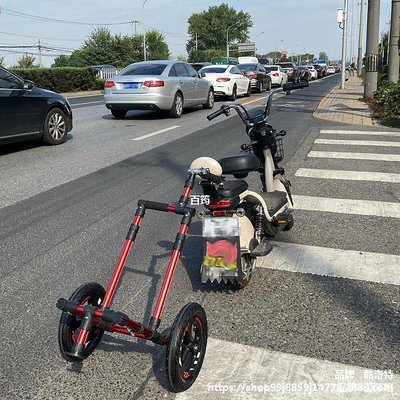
(144, 34)
(134, 24)
(352, 32)
(40, 55)
(227, 41)
(343, 20)
(371, 57)
(361, 38)
(394, 57)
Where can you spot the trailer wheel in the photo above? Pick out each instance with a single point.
(186, 346)
(68, 330)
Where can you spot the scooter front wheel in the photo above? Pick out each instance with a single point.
(68, 330)
(186, 346)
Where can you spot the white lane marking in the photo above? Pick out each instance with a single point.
(157, 132)
(354, 156)
(358, 142)
(372, 133)
(347, 206)
(349, 264)
(348, 175)
(89, 102)
(240, 372)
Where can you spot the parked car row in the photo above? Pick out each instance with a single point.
(28, 112)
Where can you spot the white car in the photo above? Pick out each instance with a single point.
(313, 72)
(227, 80)
(278, 75)
(330, 70)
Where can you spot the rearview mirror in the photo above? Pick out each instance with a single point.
(28, 85)
(202, 74)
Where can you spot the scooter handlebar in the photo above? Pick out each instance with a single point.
(215, 114)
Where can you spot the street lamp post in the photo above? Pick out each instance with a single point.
(144, 33)
(276, 44)
(227, 40)
(262, 33)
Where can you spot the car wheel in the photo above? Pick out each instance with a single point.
(260, 87)
(119, 114)
(177, 106)
(210, 100)
(55, 127)
(233, 96)
(248, 93)
(270, 85)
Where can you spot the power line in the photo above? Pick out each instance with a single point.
(45, 38)
(60, 21)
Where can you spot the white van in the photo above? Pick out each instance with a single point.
(248, 60)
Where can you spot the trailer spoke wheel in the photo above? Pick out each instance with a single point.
(186, 346)
(68, 330)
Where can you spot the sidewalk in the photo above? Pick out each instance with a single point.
(343, 105)
(87, 93)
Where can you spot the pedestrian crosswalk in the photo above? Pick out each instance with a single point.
(224, 376)
(355, 156)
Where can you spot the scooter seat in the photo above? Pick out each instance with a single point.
(239, 164)
(229, 189)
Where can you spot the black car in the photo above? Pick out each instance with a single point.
(291, 70)
(258, 76)
(199, 66)
(305, 74)
(321, 70)
(28, 112)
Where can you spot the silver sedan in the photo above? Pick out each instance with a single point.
(157, 85)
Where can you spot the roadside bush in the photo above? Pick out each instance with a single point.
(387, 98)
(59, 80)
(99, 84)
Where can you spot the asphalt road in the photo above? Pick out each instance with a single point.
(65, 211)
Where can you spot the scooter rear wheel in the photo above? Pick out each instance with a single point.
(247, 263)
(186, 346)
(68, 330)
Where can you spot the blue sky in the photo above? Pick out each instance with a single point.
(304, 26)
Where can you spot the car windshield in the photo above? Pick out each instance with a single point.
(213, 70)
(247, 67)
(302, 68)
(144, 69)
(286, 65)
(310, 67)
(269, 69)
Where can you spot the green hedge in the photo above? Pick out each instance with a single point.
(99, 84)
(387, 97)
(60, 79)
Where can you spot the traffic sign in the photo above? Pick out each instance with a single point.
(246, 47)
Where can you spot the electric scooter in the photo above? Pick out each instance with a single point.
(238, 221)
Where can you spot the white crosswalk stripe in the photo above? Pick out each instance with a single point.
(350, 264)
(352, 133)
(348, 175)
(354, 156)
(358, 142)
(347, 206)
(235, 371)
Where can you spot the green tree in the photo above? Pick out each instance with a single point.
(2, 61)
(323, 55)
(101, 47)
(26, 61)
(210, 27)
